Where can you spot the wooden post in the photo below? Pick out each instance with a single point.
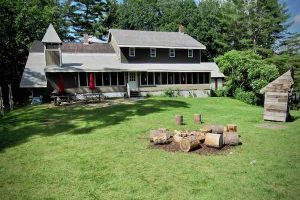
(178, 119)
(1, 103)
(197, 118)
(10, 98)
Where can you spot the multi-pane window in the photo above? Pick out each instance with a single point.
(132, 76)
(152, 52)
(190, 53)
(131, 52)
(171, 53)
(83, 80)
(102, 78)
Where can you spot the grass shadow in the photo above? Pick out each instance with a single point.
(24, 123)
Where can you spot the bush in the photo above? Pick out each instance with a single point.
(247, 97)
(169, 93)
(246, 73)
(222, 92)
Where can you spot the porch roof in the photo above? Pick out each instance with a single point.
(110, 62)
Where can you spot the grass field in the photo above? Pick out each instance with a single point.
(94, 152)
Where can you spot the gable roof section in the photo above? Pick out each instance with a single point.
(51, 36)
(134, 38)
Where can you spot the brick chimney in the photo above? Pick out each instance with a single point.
(181, 29)
(85, 38)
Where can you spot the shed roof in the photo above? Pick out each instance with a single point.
(283, 82)
(155, 39)
(51, 36)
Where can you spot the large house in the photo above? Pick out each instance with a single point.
(131, 62)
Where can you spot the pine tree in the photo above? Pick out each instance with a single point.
(86, 16)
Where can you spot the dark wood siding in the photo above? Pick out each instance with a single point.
(142, 55)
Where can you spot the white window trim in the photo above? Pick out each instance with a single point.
(153, 52)
(190, 53)
(171, 52)
(87, 81)
(131, 51)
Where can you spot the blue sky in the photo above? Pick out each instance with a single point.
(294, 11)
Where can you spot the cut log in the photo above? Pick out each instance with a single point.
(217, 129)
(197, 118)
(214, 140)
(231, 128)
(206, 129)
(189, 143)
(231, 138)
(162, 138)
(199, 135)
(178, 119)
(158, 133)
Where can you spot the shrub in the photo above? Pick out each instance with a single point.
(222, 92)
(169, 92)
(247, 71)
(247, 97)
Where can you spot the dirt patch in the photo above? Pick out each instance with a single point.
(270, 126)
(202, 149)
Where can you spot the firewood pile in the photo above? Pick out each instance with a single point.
(212, 136)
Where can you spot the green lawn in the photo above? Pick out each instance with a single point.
(93, 152)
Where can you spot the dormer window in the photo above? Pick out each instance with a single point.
(190, 53)
(152, 52)
(171, 53)
(131, 52)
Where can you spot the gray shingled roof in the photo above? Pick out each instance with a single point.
(51, 36)
(75, 47)
(34, 72)
(133, 38)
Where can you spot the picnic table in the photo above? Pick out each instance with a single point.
(58, 99)
(90, 96)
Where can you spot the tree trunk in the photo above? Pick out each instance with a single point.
(231, 128)
(178, 119)
(214, 140)
(217, 129)
(231, 138)
(197, 118)
(189, 143)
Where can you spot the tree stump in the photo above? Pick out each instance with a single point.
(197, 118)
(231, 128)
(189, 143)
(214, 140)
(217, 129)
(231, 138)
(178, 119)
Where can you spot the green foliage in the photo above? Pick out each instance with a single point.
(246, 70)
(221, 92)
(87, 16)
(247, 97)
(284, 62)
(169, 92)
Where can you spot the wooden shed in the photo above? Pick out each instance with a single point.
(277, 97)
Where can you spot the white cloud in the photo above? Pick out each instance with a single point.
(297, 19)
